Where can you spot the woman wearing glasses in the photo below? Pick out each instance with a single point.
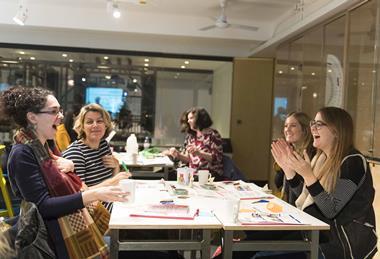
(298, 135)
(335, 186)
(35, 177)
(91, 154)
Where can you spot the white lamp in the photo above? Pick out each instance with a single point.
(22, 13)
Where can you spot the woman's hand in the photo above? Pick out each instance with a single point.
(106, 193)
(110, 161)
(119, 176)
(64, 165)
(174, 152)
(302, 166)
(280, 154)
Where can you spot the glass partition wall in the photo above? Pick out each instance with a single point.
(143, 94)
(335, 64)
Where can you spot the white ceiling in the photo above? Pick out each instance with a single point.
(165, 26)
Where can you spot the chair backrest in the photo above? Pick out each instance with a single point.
(230, 170)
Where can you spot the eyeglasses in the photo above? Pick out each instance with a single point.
(317, 124)
(55, 112)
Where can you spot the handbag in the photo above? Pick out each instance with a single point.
(31, 240)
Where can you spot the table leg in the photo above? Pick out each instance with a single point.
(227, 244)
(206, 236)
(314, 244)
(114, 249)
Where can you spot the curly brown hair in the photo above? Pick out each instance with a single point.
(202, 119)
(17, 101)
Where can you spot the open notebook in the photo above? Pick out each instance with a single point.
(167, 211)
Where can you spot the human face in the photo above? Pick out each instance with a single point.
(191, 120)
(323, 137)
(293, 130)
(47, 119)
(94, 127)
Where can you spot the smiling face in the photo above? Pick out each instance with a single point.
(47, 120)
(293, 130)
(324, 137)
(191, 119)
(94, 127)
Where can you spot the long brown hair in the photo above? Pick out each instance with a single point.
(340, 123)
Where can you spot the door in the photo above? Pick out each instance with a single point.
(251, 116)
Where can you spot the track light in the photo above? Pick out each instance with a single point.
(115, 10)
(22, 13)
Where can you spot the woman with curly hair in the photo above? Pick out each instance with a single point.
(65, 204)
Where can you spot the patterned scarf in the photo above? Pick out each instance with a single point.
(82, 230)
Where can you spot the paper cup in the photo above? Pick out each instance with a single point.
(128, 185)
(228, 210)
(203, 176)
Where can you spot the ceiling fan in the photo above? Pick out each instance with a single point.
(222, 23)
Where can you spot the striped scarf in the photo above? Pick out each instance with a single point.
(82, 230)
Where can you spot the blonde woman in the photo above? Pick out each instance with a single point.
(298, 135)
(335, 187)
(91, 154)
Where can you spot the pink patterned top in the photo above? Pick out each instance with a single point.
(211, 142)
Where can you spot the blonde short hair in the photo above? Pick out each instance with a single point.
(92, 107)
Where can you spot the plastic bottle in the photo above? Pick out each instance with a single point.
(132, 148)
(146, 143)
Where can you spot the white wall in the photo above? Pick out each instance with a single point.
(221, 99)
(173, 97)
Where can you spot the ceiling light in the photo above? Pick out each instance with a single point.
(312, 73)
(22, 52)
(315, 95)
(183, 67)
(64, 55)
(146, 60)
(103, 67)
(83, 79)
(187, 62)
(70, 82)
(71, 60)
(22, 13)
(280, 72)
(292, 68)
(146, 64)
(115, 11)
(134, 80)
(32, 58)
(106, 57)
(329, 70)
(108, 77)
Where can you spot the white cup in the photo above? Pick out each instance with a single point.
(203, 176)
(128, 185)
(228, 210)
(184, 175)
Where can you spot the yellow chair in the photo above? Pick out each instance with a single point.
(3, 185)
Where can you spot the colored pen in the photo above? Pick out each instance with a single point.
(259, 201)
(294, 218)
(124, 166)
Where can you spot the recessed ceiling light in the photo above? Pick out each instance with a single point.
(103, 67)
(32, 58)
(71, 60)
(108, 77)
(312, 73)
(83, 79)
(187, 62)
(9, 61)
(106, 58)
(70, 82)
(64, 55)
(134, 80)
(145, 69)
(146, 64)
(146, 60)
(315, 95)
(280, 72)
(183, 67)
(22, 52)
(292, 68)
(329, 70)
